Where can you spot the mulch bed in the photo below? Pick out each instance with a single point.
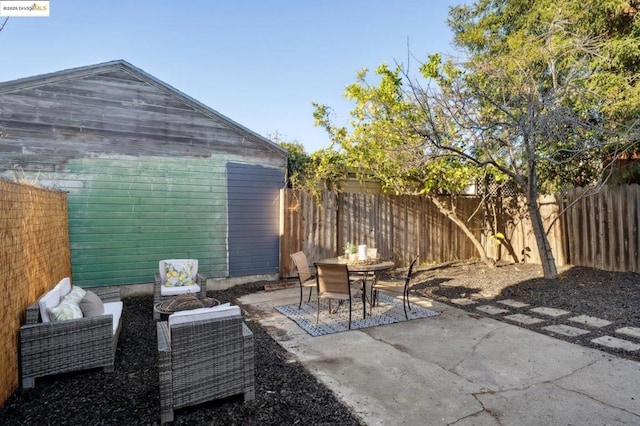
(285, 392)
(611, 296)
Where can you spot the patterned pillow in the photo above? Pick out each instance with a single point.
(178, 274)
(67, 309)
(75, 295)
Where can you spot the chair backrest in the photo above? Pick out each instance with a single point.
(410, 271)
(202, 352)
(202, 314)
(193, 263)
(333, 278)
(302, 265)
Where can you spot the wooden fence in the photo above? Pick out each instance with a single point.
(603, 228)
(34, 252)
(404, 226)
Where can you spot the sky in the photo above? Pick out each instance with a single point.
(260, 63)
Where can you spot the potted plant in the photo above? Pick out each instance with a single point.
(351, 251)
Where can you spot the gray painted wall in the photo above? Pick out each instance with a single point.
(253, 198)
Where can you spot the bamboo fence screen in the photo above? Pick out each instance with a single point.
(34, 253)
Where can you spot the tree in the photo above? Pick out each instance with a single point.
(536, 76)
(522, 106)
(385, 145)
(323, 170)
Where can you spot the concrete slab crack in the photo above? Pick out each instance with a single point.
(485, 409)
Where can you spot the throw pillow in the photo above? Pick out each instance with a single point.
(178, 274)
(91, 305)
(76, 294)
(67, 309)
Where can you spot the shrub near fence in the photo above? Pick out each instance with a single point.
(34, 253)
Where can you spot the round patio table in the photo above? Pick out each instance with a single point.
(369, 267)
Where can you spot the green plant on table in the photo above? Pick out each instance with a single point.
(350, 248)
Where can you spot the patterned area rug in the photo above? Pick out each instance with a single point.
(388, 311)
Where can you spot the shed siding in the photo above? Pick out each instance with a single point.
(253, 200)
(127, 214)
(112, 112)
(144, 166)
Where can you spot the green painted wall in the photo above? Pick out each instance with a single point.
(126, 214)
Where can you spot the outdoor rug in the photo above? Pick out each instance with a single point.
(388, 311)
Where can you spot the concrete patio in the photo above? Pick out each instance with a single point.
(458, 368)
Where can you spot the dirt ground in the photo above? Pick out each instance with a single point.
(612, 296)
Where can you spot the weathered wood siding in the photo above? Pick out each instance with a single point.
(254, 219)
(111, 110)
(143, 164)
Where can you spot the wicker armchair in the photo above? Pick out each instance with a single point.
(162, 292)
(203, 358)
(48, 348)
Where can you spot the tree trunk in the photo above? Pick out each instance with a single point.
(544, 248)
(451, 215)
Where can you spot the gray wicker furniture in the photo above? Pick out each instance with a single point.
(204, 359)
(162, 293)
(48, 348)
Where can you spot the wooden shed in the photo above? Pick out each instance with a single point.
(150, 173)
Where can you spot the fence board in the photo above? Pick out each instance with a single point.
(603, 228)
(599, 229)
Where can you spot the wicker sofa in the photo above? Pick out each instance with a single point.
(204, 354)
(67, 345)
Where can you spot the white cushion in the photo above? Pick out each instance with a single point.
(115, 309)
(174, 291)
(64, 286)
(51, 299)
(220, 311)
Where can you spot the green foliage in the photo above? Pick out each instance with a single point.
(297, 161)
(598, 41)
(323, 170)
(326, 170)
(350, 248)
